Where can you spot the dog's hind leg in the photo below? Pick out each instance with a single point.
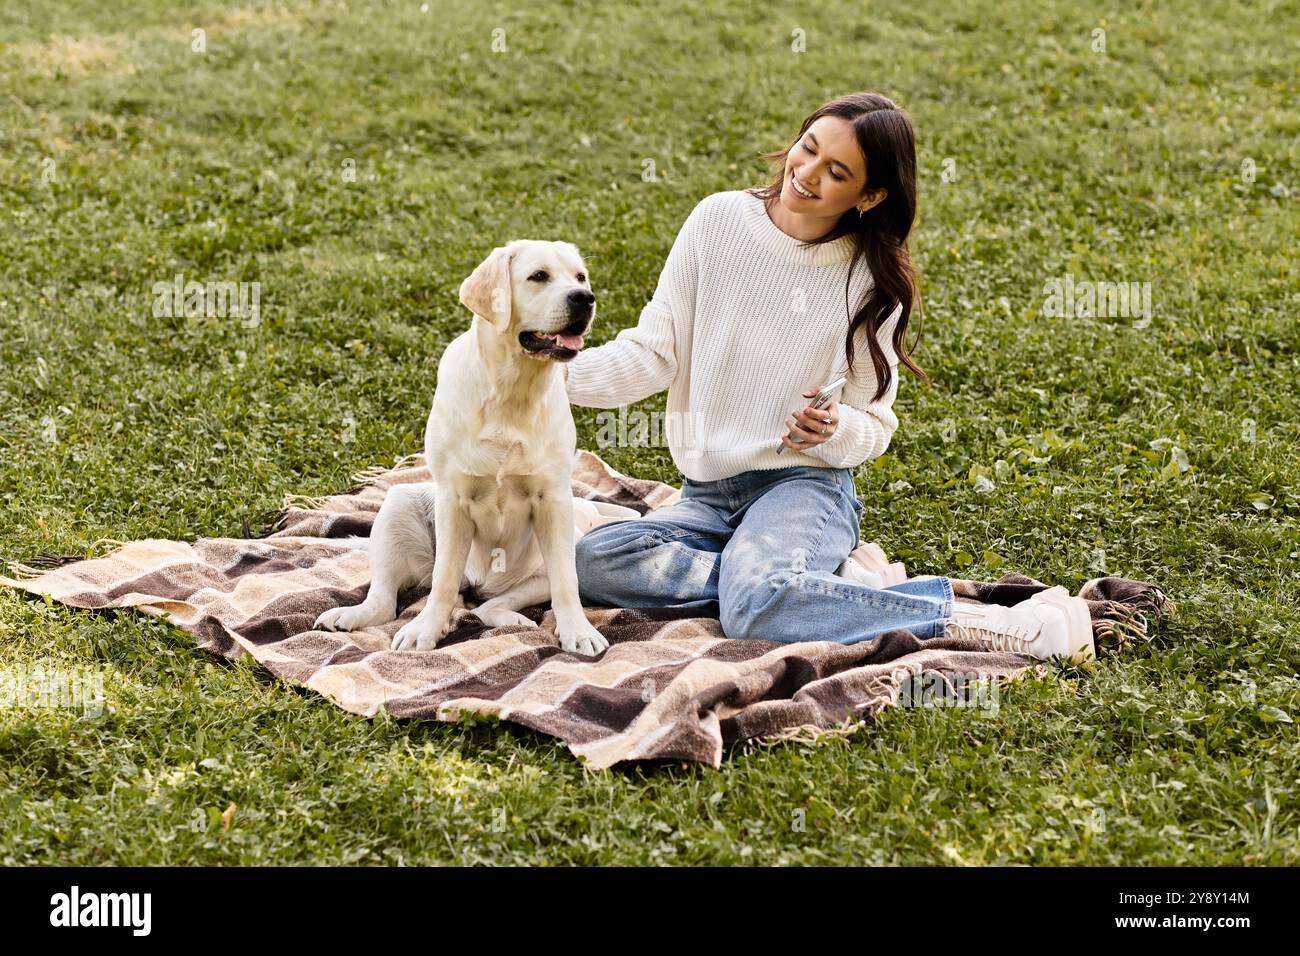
(553, 525)
(504, 608)
(401, 554)
(454, 535)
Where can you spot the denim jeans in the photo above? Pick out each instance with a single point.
(759, 552)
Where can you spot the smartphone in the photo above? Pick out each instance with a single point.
(821, 398)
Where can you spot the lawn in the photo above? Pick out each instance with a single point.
(358, 159)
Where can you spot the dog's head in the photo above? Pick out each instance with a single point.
(537, 294)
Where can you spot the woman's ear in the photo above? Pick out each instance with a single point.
(872, 200)
(486, 292)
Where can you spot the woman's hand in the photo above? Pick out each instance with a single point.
(811, 425)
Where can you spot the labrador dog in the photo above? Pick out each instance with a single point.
(498, 516)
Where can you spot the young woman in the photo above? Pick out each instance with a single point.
(767, 295)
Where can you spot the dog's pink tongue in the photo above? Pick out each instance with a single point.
(570, 341)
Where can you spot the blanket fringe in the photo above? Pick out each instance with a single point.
(360, 479)
(1123, 624)
(369, 476)
(268, 522)
(814, 734)
(373, 474)
(114, 544)
(803, 734)
(43, 562)
(48, 561)
(296, 502)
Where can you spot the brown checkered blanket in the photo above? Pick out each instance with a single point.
(670, 686)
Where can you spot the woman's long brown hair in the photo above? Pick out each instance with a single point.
(880, 234)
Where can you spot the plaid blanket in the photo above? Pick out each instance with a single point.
(670, 685)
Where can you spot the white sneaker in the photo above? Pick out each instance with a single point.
(590, 514)
(854, 571)
(868, 565)
(1049, 624)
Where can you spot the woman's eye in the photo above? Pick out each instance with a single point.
(539, 276)
(836, 176)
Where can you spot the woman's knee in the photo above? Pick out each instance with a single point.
(604, 550)
(590, 553)
(753, 610)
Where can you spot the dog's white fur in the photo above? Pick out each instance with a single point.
(500, 443)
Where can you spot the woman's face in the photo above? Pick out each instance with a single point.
(825, 171)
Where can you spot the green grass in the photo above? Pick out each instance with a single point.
(1110, 442)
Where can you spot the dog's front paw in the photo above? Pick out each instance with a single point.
(420, 634)
(344, 619)
(501, 617)
(582, 639)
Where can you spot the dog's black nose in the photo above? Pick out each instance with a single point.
(581, 297)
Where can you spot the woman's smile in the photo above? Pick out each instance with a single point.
(800, 188)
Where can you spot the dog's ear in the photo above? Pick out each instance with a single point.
(487, 290)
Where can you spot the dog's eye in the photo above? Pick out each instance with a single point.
(541, 275)
(582, 277)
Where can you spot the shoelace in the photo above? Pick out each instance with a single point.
(1006, 636)
(1012, 637)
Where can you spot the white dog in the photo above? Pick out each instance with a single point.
(500, 444)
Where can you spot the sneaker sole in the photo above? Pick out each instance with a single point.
(1076, 612)
(871, 558)
(895, 574)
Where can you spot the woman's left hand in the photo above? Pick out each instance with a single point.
(811, 425)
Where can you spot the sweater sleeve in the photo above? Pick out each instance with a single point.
(865, 426)
(642, 360)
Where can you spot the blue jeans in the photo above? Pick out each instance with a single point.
(759, 552)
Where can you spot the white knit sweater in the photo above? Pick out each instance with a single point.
(741, 323)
